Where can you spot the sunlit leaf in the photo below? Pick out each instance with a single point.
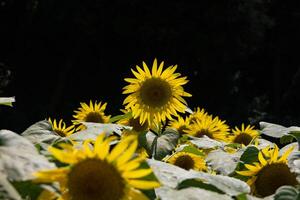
(42, 132)
(19, 158)
(287, 193)
(223, 162)
(165, 193)
(94, 129)
(206, 143)
(7, 191)
(7, 101)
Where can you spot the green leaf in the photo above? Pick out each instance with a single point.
(28, 190)
(287, 139)
(120, 117)
(166, 193)
(19, 158)
(250, 155)
(275, 130)
(7, 101)
(193, 150)
(205, 143)
(241, 197)
(42, 132)
(171, 176)
(199, 184)
(94, 129)
(164, 144)
(7, 191)
(287, 193)
(222, 162)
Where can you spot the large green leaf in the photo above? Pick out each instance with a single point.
(223, 162)
(163, 144)
(19, 158)
(275, 130)
(94, 129)
(250, 155)
(7, 191)
(28, 189)
(287, 193)
(171, 176)
(42, 132)
(205, 143)
(7, 101)
(192, 193)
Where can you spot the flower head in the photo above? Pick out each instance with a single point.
(157, 95)
(92, 173)
(90, 113)
(270, 172)
(60, 128)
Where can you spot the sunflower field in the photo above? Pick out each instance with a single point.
(156, 148)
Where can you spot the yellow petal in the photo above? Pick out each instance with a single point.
(143, 184)
(137, 173)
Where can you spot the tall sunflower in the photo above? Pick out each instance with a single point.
(244, 135)
(271, 172)
(213, 128)
(60, 128)
(157, 95)
(181, 124)
(90, 113)
(187, 161)
(93, 173)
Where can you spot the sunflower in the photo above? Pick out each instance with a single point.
(187, 161)
(90, 113)
(95, 173)
(198, 114)
(137, 127)
(60, 128)
(270, 172)
(157, 95)
(213, 128)
(181, 125)
(244, 135)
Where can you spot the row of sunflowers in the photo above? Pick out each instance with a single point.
(157, 148)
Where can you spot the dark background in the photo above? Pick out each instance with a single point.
(241, 56)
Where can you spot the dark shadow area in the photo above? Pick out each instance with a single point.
(241, 56)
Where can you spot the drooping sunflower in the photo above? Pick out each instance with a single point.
(157, 95)
(181, 124)
(188, 161)
(61, 129)
(213, 128)
(271, 172)
(90, 113)
(244, 135)
(137, 127)
(93, 173)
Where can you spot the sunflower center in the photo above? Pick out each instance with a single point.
(60, 132)
(181, 130)
(271, 177)
(94, 117)
(95, 179)
(155, 92)
(243, 138)
(202, 132)
(136, 126)
(185, 162)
